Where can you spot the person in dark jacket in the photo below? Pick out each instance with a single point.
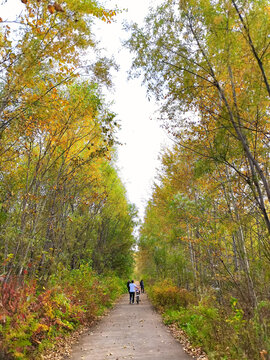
(128, 284)
(142, 286)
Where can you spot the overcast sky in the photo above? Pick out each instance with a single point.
(142, 138)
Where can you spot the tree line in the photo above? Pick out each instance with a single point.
(207, 223)
(62, 203)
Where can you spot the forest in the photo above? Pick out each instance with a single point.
(66, 225)
(204, 243)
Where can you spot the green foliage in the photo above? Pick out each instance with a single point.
(198, 323)
(206, 62)
(221, 332)
(236, 319)
(66, 226)
(32, 319)
(201, 234)
(62, 202)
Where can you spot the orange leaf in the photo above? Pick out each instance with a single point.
(51, 9)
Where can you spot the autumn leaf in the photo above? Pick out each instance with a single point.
(51, 9)
(58, 7)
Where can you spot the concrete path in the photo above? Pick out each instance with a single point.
(129, 332)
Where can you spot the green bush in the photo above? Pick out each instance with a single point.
(206, 328)
(32, 318)
(222, 332)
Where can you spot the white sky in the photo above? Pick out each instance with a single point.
(142, 138)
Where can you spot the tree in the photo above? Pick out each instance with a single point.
(201, 231)
(58, 186)
(211, 58)
(44, 54)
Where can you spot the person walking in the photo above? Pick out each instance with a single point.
(132, 288)
(142, 286)
(128, 285)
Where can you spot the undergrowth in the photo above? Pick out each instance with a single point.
(223, 332)
(32, 318)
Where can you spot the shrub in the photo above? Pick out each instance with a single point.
(32, 318)
(166, 295)
(223, 332)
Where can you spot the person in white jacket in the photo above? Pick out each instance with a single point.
(132, 288)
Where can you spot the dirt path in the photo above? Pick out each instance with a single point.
(129, 332)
